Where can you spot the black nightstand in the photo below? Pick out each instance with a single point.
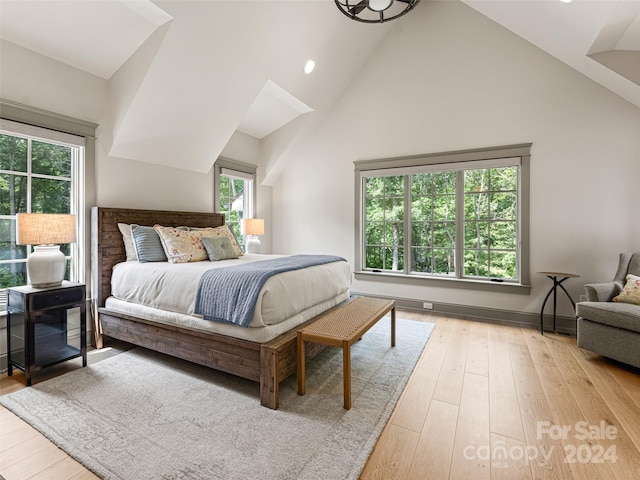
(42, 327)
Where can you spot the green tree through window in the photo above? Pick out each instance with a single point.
(433, 217)
(232, 204)
(385, 223)
(490, 228)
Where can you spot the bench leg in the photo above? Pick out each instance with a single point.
(300, 362)
(346, 374)
(393, 326)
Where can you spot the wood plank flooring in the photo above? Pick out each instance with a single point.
(484, 402)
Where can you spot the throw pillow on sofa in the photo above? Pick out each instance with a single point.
(631, 291)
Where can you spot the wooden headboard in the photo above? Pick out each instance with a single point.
(107, 247)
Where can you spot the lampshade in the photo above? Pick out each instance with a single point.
(253, 226)
(45, 228)
(46, 266)
(375, 11)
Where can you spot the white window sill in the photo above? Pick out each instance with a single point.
(486, 285)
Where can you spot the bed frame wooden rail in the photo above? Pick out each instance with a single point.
(268, 363)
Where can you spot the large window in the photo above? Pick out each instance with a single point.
(235, 193)
(38, 174)
(456, 216)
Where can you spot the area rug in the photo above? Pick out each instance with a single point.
(143, 415)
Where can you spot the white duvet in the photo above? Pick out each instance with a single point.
(172, 287)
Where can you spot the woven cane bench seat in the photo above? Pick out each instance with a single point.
(342, 327)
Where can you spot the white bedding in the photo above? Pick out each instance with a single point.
(190, 322)
(171, 287)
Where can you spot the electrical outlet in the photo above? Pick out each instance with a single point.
(427, 305)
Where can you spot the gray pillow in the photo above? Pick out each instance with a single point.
(148, 245)
(219, 248)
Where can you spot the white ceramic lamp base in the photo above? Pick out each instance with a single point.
(252, 245)
(46, 266)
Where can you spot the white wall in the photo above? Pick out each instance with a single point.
(124, 183)
(33, 79)
(447, 78)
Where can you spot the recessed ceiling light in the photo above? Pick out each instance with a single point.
(309, 66)
(566, 1)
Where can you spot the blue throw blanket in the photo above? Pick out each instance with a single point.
(230, 294)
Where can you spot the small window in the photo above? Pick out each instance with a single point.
(235, 186)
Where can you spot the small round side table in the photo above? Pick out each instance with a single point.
(558, 278)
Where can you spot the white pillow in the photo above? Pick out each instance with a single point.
(129, 244)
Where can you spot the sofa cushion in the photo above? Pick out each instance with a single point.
(616, 343)
(619, 315)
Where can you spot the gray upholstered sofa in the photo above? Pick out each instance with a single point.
(611, 328)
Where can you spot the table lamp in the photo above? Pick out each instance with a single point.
(46, 266)
(252, 227)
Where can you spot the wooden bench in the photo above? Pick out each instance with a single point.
(342, 328)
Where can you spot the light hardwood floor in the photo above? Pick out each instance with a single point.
(484, 402)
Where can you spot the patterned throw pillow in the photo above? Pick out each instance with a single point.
(219, 248)
(181, 246)
(631, 291)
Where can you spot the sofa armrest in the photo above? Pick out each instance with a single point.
(602, 292)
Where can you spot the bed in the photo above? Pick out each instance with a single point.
(264, 352)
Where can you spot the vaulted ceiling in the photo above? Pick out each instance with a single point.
(185, 75)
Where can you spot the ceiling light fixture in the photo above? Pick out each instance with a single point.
(309, 66)
(375, 11)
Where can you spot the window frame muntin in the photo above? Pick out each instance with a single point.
(453, 160)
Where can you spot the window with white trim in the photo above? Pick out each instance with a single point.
(41, 171)
(235, 187)
(448, 216)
